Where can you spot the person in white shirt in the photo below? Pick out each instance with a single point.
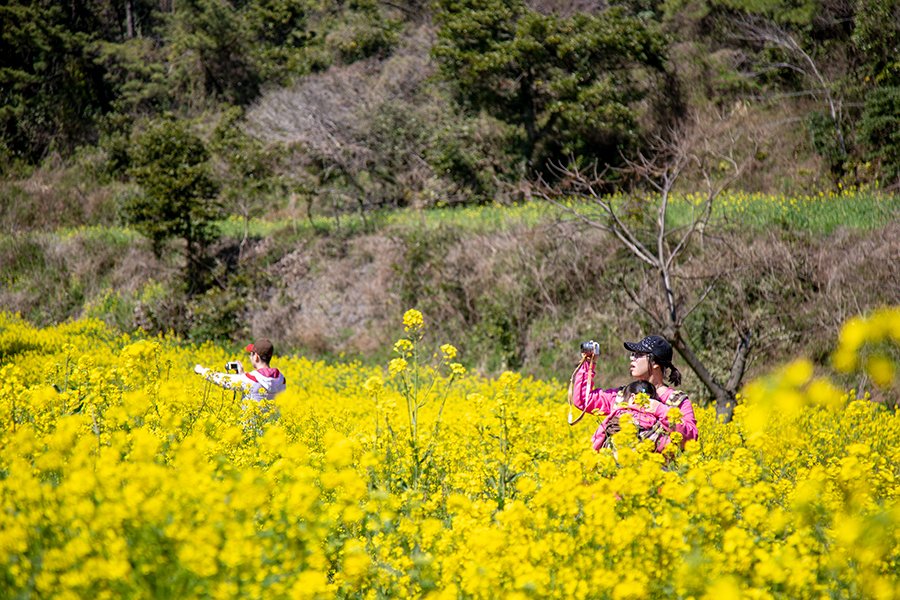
(260, 385)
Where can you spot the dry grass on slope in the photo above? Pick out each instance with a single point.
(520, 299)
(525, 298)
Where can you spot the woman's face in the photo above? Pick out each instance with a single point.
(640, 366)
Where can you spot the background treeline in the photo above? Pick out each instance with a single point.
(185, 120)
(361, 104)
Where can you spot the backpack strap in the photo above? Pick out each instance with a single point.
(676, 398)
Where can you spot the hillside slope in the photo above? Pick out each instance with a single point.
(519, 298)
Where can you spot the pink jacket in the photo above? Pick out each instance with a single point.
(609, 403)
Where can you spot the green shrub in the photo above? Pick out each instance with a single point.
(823, 130)
(176, 200)
(879, 129)
(361, 36)
(219, 315)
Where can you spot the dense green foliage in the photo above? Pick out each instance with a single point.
(177, 193)
(571, 84)
(877, 34)
(516, 82)
(51, 90)
(879, 128)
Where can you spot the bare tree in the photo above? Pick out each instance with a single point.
(318, 116)
(756, 29)
(357, 129)
(659, 245)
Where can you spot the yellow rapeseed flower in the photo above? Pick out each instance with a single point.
(412, 320)
(397, 365)
(798, 372)
(403, 346)
(478, 489)
(374, 385)
(881, 369)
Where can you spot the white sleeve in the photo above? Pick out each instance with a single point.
(229, 381)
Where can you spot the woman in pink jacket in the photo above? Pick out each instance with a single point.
(651, 361)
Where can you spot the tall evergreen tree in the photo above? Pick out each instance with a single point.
(177, 195)
(571, 83)
(207, 47)
(50, 88)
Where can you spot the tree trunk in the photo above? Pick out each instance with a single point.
(129, 20)
(725, 399)
(740, 363)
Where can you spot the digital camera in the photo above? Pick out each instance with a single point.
(231, 366)
(590, 347)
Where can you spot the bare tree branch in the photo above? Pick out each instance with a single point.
(641, 306)
(661, 169)
(740, 361)
(356, 124)
(581, 187)
(700, 300)
(760, 30)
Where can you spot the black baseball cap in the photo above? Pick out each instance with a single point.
(655, 345)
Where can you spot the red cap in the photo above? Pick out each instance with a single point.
(263, 347)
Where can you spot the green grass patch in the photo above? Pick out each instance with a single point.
(818, 214)
(822, 214)
(477, 219)
(474, 219)
(100, 234)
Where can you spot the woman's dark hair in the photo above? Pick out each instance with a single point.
(674, 374)
(640, 387)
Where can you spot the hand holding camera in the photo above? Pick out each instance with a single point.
(590, 348)
(235, 366)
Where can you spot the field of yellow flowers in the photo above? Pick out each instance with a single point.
(124, 475)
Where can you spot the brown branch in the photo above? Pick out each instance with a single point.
(661, 170)
(740, 363)
(640, 305)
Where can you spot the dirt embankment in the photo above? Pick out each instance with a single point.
(520, 299)
(523, 299)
